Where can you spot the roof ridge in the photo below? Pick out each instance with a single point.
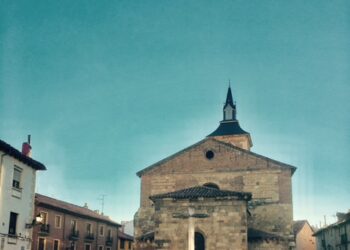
(191, 193)
(68, 203)
(141, 172)
(15, 153)
(256, 154)
(88, 212)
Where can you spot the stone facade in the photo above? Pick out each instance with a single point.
(224, 228)
(231, 168)
(222, 160)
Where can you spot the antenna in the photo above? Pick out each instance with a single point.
(102, 199)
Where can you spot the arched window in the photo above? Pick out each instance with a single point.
(199, 241)
(211, 185)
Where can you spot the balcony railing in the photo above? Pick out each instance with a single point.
(109, 241)
(89, 236)
(74, 234)
(44, 229)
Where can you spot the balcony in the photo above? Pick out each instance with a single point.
(74, 234)
(89, 236)
(109, 241)
(44, 229)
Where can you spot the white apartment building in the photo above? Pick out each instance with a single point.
(17, 190)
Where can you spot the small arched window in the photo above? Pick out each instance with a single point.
(211, 185)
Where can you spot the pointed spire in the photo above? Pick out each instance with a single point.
(229, 99)
(229, 107)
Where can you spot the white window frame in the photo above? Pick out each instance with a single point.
(59, 243)
(20, 170)
(76, 224)
(87, 244)
(103, 231)
(60, 219)
(44, 242)
(47, 217)
(91, 228)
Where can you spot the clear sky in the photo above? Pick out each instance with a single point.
(107, 88)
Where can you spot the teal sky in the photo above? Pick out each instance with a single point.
(107, 88)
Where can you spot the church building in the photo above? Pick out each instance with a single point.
(216, 194)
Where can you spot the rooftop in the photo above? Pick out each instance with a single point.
(65, 207)
(124, 236)
(229, 128)
(202, 192)
(9, 150)
(343, 218)
(298, 225)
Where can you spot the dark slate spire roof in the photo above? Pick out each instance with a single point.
(202, 192)
(229, 99)
(229, 126)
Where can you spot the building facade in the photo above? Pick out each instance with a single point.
(216, 194)
(67, 226)
(335, 236)
(17, 188)
(303, 233)
(125, 241)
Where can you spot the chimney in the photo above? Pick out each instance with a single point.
(26, 148)
(86, 205)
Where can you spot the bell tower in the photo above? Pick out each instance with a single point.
(229, 129)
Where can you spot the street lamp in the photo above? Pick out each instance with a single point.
(36, 221)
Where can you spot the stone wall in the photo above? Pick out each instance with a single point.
(231, 169)
(268, 245)
(224, 228)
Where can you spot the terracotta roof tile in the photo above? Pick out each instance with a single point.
(122, 235)
(202, 191)
(298, 225)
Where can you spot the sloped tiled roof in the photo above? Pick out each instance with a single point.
(65, 207)
(155, 165)
(124, 236)
(8, 149)
(298, 225)
(228, 128)
(345, 218)
(202, 192)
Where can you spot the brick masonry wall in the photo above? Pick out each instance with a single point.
(62, 234)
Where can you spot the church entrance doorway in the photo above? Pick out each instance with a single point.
(199, 241)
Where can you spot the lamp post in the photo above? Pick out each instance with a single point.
(36, 221)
